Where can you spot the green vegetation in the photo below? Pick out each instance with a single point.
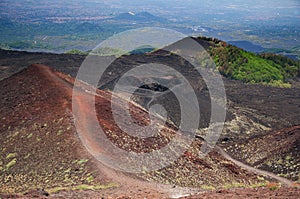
(293, 52)
(142, 50)
(53, 36)
(90, 179)
(241, 185)
(11, 163)
(208, 187)
(82, 187)
(267, 69)
(82, 161)
(29, 136)
(54, 161)
(59, 132)
(28, 44)
(290, 67)
(235, 185)
(76, 52)
(107, 51)
(262, 184)
(11, 155)
(278, 83)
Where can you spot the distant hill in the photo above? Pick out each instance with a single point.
(140, 17)
(142, 50)
(248, 46)
(293, 53)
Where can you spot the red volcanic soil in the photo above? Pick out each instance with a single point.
(41, 149)
(39, 144)
(37, 134)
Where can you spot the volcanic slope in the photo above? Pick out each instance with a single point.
(279, 154)
(40, 147)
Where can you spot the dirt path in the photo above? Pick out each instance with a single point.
(128, 184)
(252, 169)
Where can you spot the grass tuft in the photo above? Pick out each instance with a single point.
(11, 155)
(11, 163)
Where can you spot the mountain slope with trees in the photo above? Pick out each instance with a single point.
(237, 64)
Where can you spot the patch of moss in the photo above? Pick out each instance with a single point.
(11, 155)
(76, 52)
(234, 185)
(60, 132)
(90, 179)
(260, 178)
(30, 135)
(262, 184)
(82, 161)
(11, 163)
(208, 187)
